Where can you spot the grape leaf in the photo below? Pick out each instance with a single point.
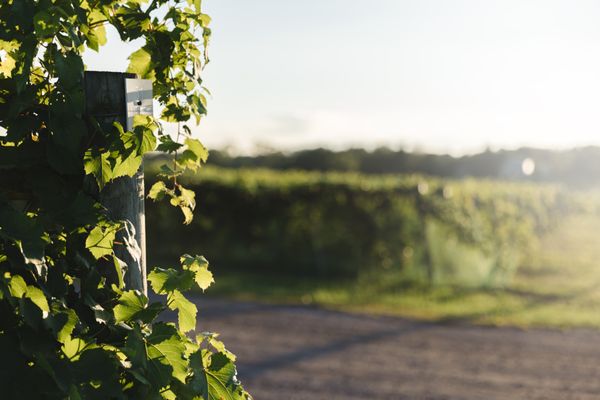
(218, 380)
(100, 240)
(140, 62)
(204, 278)
(168, 280)
(131, 302)
(199, 266)
(37, 297)
(170, 352)
(98, 166)
(158, 191)
(17, 286)
(186, 310)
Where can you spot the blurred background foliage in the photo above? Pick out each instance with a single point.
(342, 226)
(420, 242)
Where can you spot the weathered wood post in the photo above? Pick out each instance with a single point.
(110, 97)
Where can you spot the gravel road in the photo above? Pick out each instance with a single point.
(304, 353)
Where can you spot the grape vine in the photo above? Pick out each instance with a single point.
(68, 326)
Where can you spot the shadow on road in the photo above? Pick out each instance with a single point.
(255, 369)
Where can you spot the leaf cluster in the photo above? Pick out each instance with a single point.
(67, 323)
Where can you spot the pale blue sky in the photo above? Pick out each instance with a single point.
(440, 75)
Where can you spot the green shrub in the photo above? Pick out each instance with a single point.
(339, 226)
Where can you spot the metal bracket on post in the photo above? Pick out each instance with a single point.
(117, 97)
(138, 95)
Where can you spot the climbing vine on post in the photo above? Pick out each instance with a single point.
(68, 326)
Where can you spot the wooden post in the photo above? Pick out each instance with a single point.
(111, 97)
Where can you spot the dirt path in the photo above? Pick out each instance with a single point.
(301, 353)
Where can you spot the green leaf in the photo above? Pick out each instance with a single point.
(61, 323)
(204, 278)
(99, 166)
(96, 37)
(168, 280)
(168, 395)
(197, 5)
(221, 377)
(127, 165)
(100, 32)
(199, 266)
(171, 352)
(157, 191)
(218, 381)
(188, 215)
(131, 302)
(186, 202)
(168, 145)
(140, 62)
(7, 62)
(37, 297)
(74, 393)
(190, 262)
(72, 346)
(194, 155)
(168, 172)
(67, 329)
(144, 127)
(99, 368)
(160, 374)
(218, 345)
(100, 240)
(186, 310)
(45, 24)
(147, 141)
(161, 331)
(187, 197)
(69, 67)
(31, 313)
(204, 18)
(158, 277)
(120, 267)
(135, 348)
(150, 313)
(17, 286)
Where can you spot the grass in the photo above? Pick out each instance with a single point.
(560, 288)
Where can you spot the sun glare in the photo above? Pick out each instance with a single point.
(528, 166)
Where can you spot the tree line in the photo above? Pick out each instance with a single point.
(576, 167)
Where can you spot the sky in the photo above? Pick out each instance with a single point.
(445, 76)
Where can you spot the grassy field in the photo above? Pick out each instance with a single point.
(561, 288)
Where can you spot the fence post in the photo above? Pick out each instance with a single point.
(111, 97)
